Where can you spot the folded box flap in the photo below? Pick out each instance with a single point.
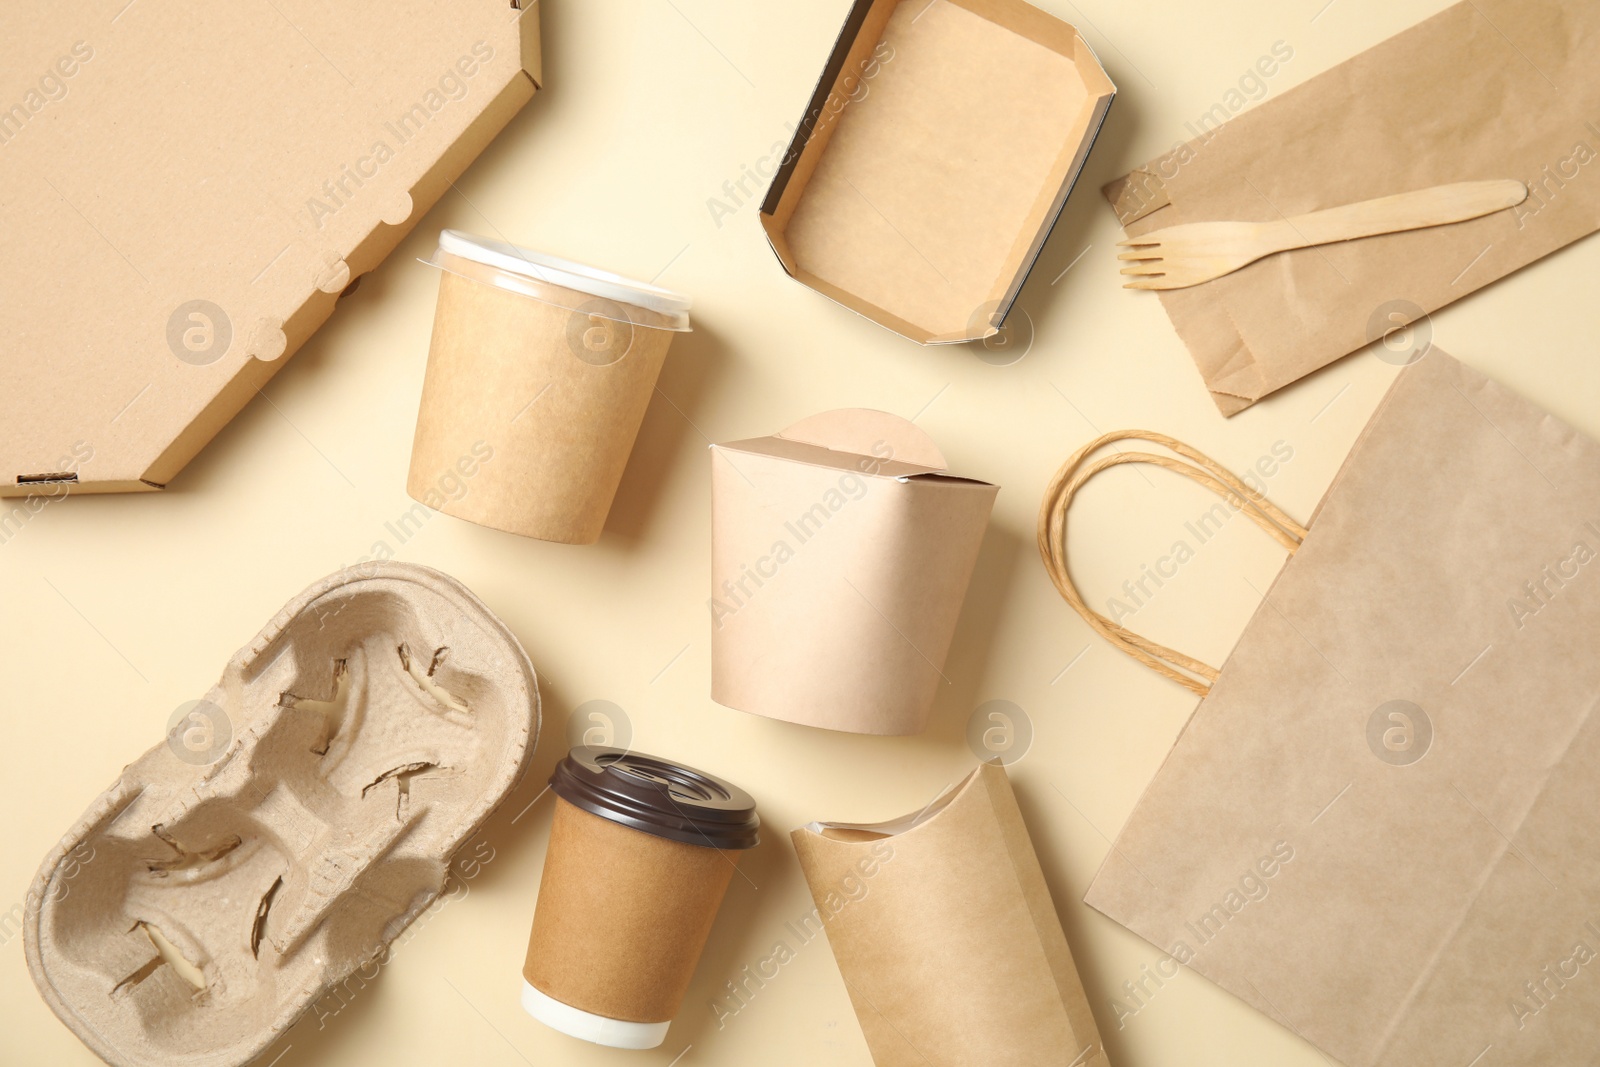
(875, 443)
(859, 430)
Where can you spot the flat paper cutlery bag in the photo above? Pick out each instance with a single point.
(1380, 826)
(946, 935)
(1484, 89)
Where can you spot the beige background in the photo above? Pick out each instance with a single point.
(118, 609)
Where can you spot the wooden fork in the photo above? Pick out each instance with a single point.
(1177, 257)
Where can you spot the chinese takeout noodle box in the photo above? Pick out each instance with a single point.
(641, 854)
(841, 552)
(946, 936)
(936, 154)
(293, 824)
(538, 378)
(1378, 826)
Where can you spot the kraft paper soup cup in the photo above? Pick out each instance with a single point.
(538, 377)
(641, 853)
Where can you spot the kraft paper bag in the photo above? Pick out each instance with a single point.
(841, 554)
(946, 936)
(1378, 826)
(1485, 89)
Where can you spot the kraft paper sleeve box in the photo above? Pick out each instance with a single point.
(933, 160)
(841, 553)
(188, 187)
(946, 935)
(295, 821)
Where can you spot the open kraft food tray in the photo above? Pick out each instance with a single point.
(187, 188)
(936, 154)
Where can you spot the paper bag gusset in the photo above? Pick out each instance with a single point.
(1486, 89)
(841, 553)
(1378, 826)
(946, 936)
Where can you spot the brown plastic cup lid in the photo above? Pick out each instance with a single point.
(657, 796)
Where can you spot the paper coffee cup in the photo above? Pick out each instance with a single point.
(539, 374)
(641, 853)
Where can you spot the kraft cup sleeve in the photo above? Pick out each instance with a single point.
(622, 917)
(946, 936)
(841, 555)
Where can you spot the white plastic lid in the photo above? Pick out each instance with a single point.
(563, 272)
(586, 1026)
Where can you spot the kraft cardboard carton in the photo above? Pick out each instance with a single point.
(841, 553)
(933, 160)
(191, 186)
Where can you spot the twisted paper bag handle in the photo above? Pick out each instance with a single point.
(1187, 671)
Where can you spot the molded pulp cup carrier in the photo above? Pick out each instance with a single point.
(291, 826)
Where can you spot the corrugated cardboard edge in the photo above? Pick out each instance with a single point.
(373, 250)
(381, 239)
(1102, 110)
(819, 100)
(854, 22)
